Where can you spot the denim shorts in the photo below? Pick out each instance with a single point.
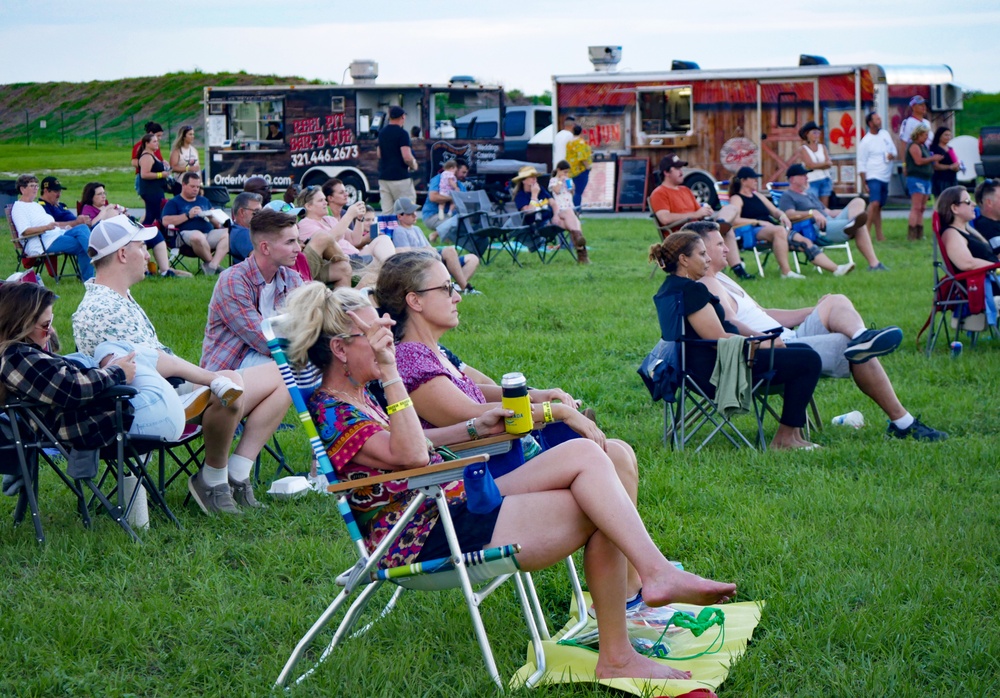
(878, 191)
(821, 187)
(918, 185)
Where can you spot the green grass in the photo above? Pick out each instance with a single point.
(980, 109)
(878, 560)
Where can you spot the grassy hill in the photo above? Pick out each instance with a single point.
(118, 109)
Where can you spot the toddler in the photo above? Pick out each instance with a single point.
(448, 185)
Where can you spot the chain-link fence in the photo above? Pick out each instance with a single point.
(84, 127)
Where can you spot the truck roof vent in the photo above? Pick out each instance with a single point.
(462, 80)
(806, 59)
(684, 65)
(605, 58)
(363, 72)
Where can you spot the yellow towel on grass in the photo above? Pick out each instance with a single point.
(568, 664)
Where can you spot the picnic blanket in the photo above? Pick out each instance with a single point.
(568, 664)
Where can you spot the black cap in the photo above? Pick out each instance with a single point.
(671, 160)
(747, 173)
(804, 131)
(51, 184)
(796, 169)
(396, 112)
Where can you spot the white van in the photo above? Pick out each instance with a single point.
(520, 124)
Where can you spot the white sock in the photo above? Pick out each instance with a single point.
(239, 468)
(214, 476)
(903, 422)
(858, 333)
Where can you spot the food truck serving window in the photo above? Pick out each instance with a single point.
(664, 111)
(248, 120)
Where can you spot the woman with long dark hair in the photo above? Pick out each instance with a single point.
(152, 173)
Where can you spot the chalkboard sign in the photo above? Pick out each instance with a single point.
(633, 176)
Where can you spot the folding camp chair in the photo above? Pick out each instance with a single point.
(481, 230)
(490, 567)
(689, 404)
(26, 436)
(961, 293)
(49, 260)
(808, 227)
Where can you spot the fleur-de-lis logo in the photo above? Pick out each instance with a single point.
(846, 134)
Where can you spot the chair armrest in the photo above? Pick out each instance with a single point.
(498, 443)
(119, 391)
(962, 276)
(404, 475)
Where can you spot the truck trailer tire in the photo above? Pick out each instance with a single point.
(703, 189)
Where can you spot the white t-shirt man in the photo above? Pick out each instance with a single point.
(559, 143)
(872, 150)
(910, 123)
(31, 215)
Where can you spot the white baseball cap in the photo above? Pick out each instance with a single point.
(112, 234)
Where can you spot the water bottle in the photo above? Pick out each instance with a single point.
(956, 350)
(851, 419)
(515, 398)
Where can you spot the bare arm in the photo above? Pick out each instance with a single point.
(919, 159)
(408, 158)
(958, 252)
(808, 163)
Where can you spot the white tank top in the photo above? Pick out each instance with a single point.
(817, 157)
(747, 310)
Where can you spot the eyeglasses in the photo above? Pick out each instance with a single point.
(45, 326)
(965, 201)
(448, 288)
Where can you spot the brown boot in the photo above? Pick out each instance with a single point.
(920, 231)
(911, 232)
(581, 251)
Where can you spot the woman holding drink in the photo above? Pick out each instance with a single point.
(563, 499)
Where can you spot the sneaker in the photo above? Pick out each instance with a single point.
(792, 275)
(917, 431)
(843, 269)
(175, 273)
(226, 390)
(208, 270)
(212, 500)
(195, 402)
(879, 267)
(853, 226)
(469, 291)
(243, 494)
(873, 343)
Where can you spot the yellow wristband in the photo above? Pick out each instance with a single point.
(159, 175)
(547, 412)
(397, 406)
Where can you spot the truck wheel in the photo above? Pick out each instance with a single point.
(354, 186)
(703, 189)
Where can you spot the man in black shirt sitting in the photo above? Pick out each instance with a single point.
(987, 223)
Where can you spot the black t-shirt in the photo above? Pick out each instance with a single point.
(989, 229)
(942, 179)
(391, 166)
(694, 296)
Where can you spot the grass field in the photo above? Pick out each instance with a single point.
(878, 559)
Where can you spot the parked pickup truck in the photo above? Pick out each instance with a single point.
(989, 152)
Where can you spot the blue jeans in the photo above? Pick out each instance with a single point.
(158, 408)
(821, 187)
(74, 241)
(579, 184)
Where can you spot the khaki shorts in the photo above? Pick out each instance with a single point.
(318, 265)
(214, 237)
(390, 191)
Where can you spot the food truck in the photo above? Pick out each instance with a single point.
(721, 120)
(306, 134)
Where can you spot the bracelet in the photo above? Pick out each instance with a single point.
(386, 384)
(547, 412)
(470, 427)
(397, 406)
(159, 175)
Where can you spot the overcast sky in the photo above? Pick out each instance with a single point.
(518, 44)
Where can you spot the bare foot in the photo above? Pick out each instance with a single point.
(684, 587)
(636, 666)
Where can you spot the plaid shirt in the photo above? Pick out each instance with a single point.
(67, 390)
(234, 317)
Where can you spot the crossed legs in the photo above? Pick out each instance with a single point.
(570, 496)
(838, 314)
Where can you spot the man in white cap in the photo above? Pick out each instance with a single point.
(918, 115)
(108, 312)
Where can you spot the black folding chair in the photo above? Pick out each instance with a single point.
(29, 437)
(481, 230)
